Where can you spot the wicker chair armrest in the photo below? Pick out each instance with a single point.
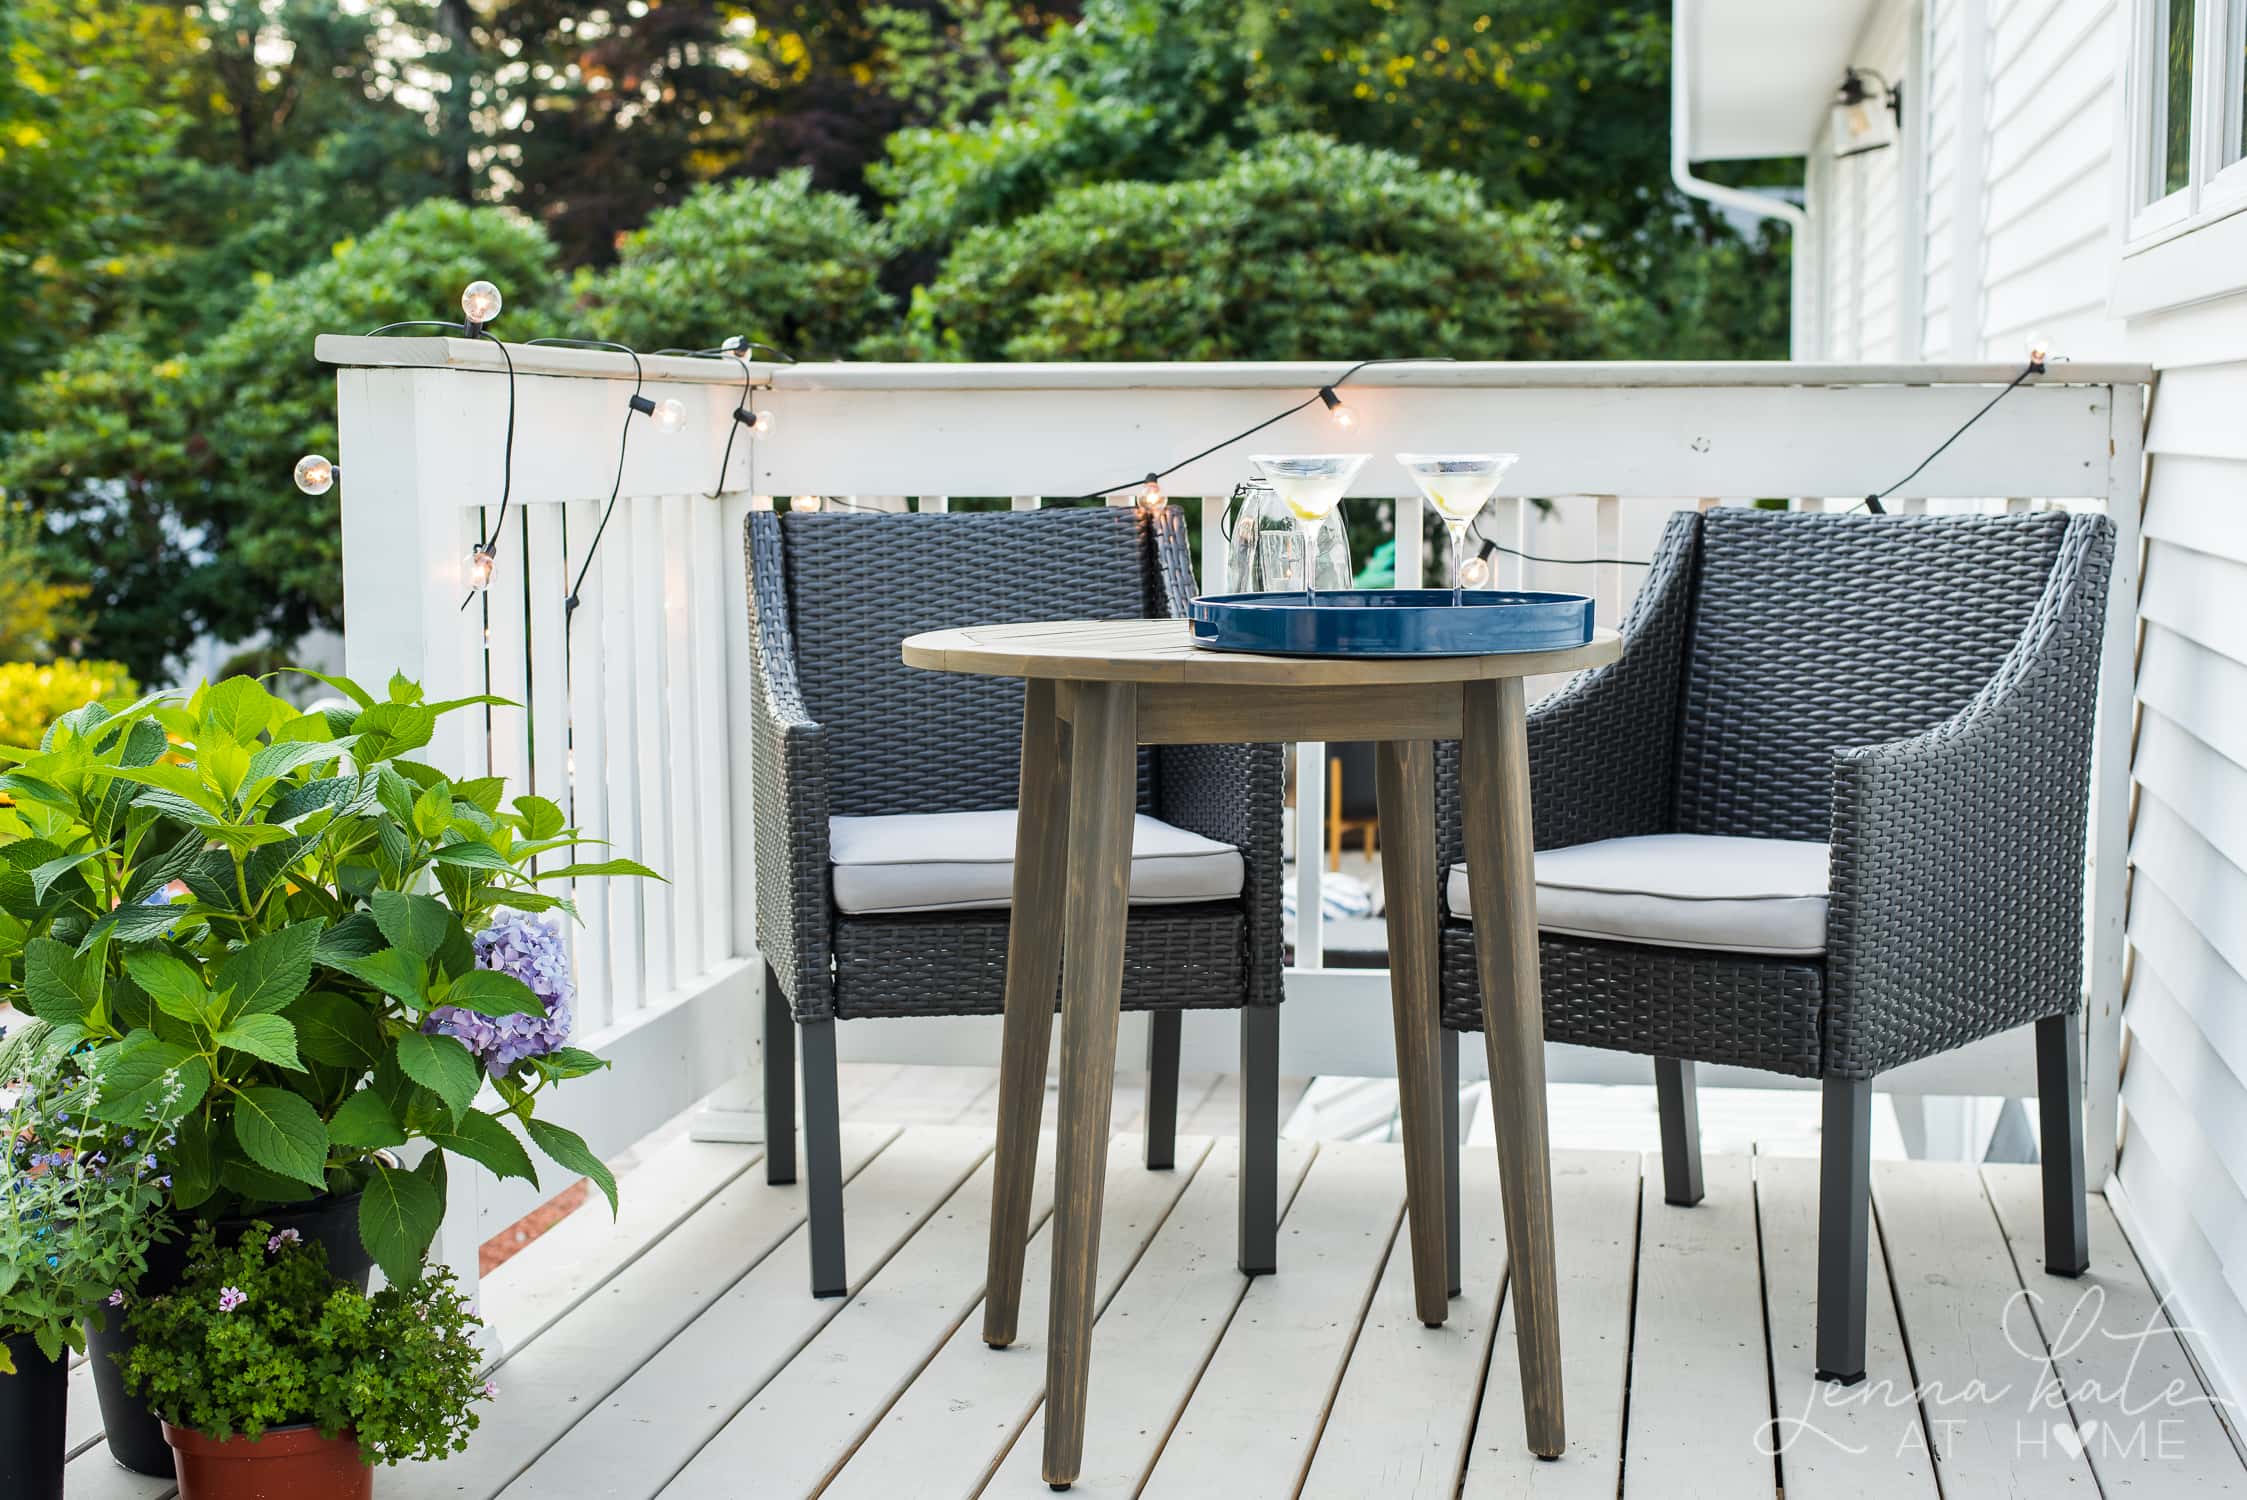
(1233, 793)
(1603, 750)
(1958, 853)
(788, 765)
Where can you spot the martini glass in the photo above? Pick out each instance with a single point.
(1458, 486)
(1310, 485)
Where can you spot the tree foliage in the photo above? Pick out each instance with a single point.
(770, 258)
(1299, 249)
(167, 493)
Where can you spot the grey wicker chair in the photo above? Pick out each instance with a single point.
(843, 728)
(1914, 692)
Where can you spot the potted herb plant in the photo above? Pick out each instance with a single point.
(272, 1378)
(77, 1212)
(279, 937)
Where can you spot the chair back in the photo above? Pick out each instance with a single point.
(1811, 633)
(905, 740)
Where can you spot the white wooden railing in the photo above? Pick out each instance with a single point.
(635, 714)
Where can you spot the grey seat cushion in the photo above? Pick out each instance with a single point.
(962, 860)
(1682, 890)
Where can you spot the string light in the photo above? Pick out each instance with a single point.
(2040, 352)
(476, 568)
(755, 421)
(1152, 495)
(807, 502)
(1336, 410)
(1475, 572)
(315, 475)
(480, 304)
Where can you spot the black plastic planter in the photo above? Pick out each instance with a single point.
(31, 1423)
(136, 1438)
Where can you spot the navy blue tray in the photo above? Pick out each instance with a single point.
(1392, 622)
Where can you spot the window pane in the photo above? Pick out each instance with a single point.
(2235, 127)
(2175, 144)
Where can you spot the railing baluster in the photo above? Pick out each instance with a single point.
(707, 644)
(586, 797)
(675, 530)
(1607, 541)
(619, 602)
(652, 760)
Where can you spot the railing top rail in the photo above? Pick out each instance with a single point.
(475, 354)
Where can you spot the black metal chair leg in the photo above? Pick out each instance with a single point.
(823, 1160)
(1680, 1103)
(1260, 1140)
(2059, 1103)
(1163, 1027)
(1844, 1228)
(1447, 1058)
(780, 1084)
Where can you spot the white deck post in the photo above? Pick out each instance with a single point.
(2110, 829)
(403, 546)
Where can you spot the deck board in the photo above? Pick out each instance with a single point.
(1155, 1337)
(1862, 1442)
(1700, 1389)
(1595, 1217)
(1983, 1373)
(1406, 1408)
(653, 1425)
(1257, 1411)
(547, 1385)
(679, 1351)
(948, 1430)
(2117, 1356)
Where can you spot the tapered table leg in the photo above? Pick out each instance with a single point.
(1405, 782)
(1501, 872)
(1103, 783)
(1033, 970)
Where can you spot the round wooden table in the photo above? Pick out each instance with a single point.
(1101, 690)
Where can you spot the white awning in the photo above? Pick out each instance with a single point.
(1757, 75)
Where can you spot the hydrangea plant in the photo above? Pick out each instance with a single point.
(77, 1201)
(281, 937)
(259, 1336)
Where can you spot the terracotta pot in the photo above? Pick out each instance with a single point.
(31, 1423)
(135, 1437)
(288, 1463)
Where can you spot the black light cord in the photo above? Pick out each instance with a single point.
(742, 347)
(623, 445)
(1323, 393)
(488, 548)
(733, 428)
(1872, 502)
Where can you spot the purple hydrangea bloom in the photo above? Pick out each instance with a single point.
(531, 950)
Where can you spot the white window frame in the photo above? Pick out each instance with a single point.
(2184, 246)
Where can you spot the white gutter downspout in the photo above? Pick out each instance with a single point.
(1681, 165)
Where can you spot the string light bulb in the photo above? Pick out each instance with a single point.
(670, 414)
(476, 569)
(806, 502)
(736, 345)
(1475, 572)
(315, 475)
(1337, 410)
(2040, 352)
(480, 303)
(755, 421)
(1151, 494)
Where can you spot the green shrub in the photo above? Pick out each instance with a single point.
(239, 945)
(34, 695)
(1302, 249)
(767, 258)
(167, 488)
(260, 1336)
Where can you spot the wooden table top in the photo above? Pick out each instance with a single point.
(1162, 651)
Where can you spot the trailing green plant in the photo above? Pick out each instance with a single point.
(78, 1201)
(259, 1335)
(283, 938)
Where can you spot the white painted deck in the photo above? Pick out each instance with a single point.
(676, 1353)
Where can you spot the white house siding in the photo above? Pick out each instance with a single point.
(2025, 244)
